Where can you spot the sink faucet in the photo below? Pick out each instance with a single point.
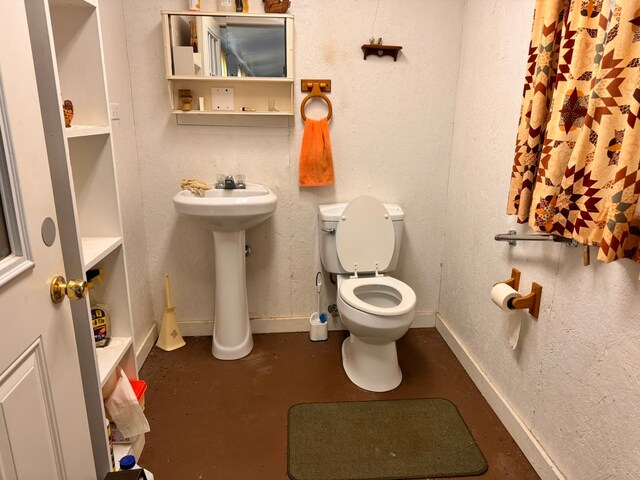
(227, 182)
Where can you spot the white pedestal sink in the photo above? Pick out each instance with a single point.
(228, 213)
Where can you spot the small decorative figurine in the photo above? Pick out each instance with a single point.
(67, 108)
(185, 99)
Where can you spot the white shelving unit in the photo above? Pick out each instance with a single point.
(250, 92)
(67, 49)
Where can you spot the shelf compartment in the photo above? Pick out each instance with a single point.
(250, 94)
(95, 249)
(75, 131)
(134, 448)
(112, 293)
(94, 185)
(76, 35)
(110, 356)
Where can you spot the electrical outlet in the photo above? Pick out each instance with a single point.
(114, 109)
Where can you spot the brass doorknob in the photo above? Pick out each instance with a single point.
(74, 289)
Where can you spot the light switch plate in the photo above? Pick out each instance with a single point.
(222, 99)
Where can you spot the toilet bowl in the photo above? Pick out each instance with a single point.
(377, 309)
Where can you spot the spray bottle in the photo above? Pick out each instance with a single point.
(99, 316)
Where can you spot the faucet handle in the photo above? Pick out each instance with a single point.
(240, 180)
(220, 180)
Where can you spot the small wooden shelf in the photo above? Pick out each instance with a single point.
(95, 249)
(86, 130)
(109, 357)
(381, 50)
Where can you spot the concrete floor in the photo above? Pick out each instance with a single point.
(227, 420)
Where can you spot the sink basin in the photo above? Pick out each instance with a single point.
(228, 213)
(228, 210)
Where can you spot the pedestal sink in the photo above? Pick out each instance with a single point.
(228, 213)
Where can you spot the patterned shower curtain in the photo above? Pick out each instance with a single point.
(576, 168)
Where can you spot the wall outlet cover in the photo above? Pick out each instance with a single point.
(114, 111)
(222, 99)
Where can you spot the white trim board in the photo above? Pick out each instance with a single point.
(149, 341)
(535, 453)
(202, 328)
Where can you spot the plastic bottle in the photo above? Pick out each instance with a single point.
(128, 462)
(100, 319)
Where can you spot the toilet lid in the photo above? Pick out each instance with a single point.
(364, 236)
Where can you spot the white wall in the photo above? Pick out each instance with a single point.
(574, 379)
(126, 158)
(391, 136)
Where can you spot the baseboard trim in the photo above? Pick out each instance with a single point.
(149, 341)
(202, 328)
(535, 453)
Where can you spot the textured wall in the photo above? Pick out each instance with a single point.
(573, 379)
(391, 136)
(125, 152)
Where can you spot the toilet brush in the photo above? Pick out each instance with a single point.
(169, 338)
(318, 330)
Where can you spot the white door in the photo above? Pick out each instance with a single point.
(44, 431)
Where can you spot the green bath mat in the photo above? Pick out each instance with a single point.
(375, 440)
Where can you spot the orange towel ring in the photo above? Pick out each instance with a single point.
(316, 92)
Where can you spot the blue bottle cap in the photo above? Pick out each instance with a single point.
(127, 462)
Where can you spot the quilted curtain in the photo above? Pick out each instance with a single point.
(576, 167)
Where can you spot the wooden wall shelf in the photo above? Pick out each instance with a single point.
(381, 50)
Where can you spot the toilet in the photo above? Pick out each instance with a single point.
(360, 242)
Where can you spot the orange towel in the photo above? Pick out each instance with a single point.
(316, 161)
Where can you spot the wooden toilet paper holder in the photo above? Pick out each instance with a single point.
(514, 281)
(530, 301)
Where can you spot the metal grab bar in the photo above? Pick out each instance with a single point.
(512, 236)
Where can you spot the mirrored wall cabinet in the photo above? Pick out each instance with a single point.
(229, 69)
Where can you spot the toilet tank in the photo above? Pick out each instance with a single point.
(328, 217)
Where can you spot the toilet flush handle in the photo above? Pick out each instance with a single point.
(330, 231)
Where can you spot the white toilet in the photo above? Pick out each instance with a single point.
(360, 241)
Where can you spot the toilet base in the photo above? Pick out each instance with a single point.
(373, 367)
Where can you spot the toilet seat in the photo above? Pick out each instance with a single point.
(351, 290)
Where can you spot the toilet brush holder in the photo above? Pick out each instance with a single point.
(318, 328)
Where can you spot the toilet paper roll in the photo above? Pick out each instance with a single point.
(501, 294)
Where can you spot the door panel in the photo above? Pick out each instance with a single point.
(25, 394)
(44, 428)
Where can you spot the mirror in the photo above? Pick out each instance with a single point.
(228, 46)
